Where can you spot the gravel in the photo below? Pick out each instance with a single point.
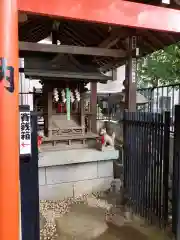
(51, 210)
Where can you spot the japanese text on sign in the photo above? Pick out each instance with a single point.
(25, 133)
(134, 69)
(6, 75)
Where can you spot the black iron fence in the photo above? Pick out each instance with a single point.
(174, 194)
(151, 174)
(161, 99)
(146, 164)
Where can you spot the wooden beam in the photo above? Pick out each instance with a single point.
(41, 73)
(110, 43)
(48, 65)
(76, 50)
(114, 37)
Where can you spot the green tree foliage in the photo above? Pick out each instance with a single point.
(160, 68)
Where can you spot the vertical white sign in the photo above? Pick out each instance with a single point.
(25, 133)
(134, 70)
(166, 1)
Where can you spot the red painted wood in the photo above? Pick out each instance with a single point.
(9, 122)
(107, 11)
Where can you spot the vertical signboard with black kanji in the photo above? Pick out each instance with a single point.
(131, 74)
(134, 70)
(25, 131)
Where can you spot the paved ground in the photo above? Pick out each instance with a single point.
(85, 222)
(89, 220)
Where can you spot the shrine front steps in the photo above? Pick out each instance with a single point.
(72, 173)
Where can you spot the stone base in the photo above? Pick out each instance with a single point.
(74, 172)
(74, 189)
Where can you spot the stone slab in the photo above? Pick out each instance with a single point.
(74, 189)
(71, 173)
(56, 192)
(66, 157)
(105, 169)
(94, 185)
(42, 176)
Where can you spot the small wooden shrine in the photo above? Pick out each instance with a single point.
(65, 118)
(68, 122)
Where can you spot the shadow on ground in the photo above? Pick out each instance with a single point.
(85, 222)
(122, 233)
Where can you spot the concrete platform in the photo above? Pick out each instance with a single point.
(72, 173)
(65, 157)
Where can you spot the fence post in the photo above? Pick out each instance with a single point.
(176, 176)
(166, 166)
(30, 188)
(35, 177)
(124, 149)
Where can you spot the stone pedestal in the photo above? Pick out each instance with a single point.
(72, 173)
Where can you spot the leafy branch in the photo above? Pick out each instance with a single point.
(160, 68)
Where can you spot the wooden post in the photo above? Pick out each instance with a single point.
(82, 112)
(9, 121)
(45, 108)
(93, 106)
(130, 76)
(50, 111)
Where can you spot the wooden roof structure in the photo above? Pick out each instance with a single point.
(101, 41)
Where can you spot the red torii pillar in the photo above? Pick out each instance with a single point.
(9, 130)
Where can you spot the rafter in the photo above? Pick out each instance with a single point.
(170, 37)
(151, 38)
(111, 65)
(111, 40)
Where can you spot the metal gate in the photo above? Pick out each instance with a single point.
(175, 193)
(146, 164)
(30, 188)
